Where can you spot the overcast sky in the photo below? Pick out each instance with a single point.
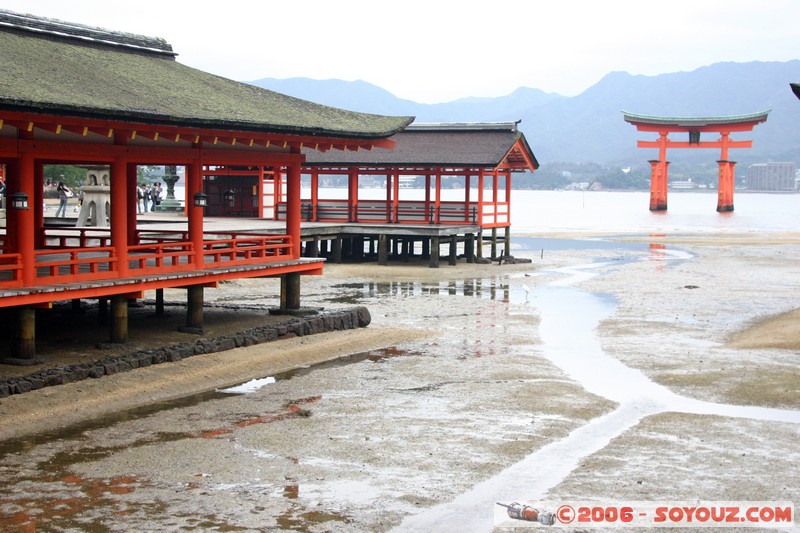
(440, 50)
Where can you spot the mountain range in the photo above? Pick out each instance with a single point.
(589, 127)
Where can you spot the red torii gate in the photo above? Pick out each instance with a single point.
(694, 126)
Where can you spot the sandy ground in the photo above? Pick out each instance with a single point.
(449, 396)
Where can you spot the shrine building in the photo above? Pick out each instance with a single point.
(77, 95)
(442, 184)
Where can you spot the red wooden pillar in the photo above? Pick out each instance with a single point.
(438, 201)
(314, 193)
(659, 176)
(508, 198)
(726, 181)
(467, 214)
(194, 184)
(429, 210)
(658, 185)
(37, 203)
(129, 182)
(725, 186)
(388, 196)
(352, 196)
(122, 234)
(293, 206)
(480, 198)
(396, 195)
(21, 221)
(495, 180)
(655, 193)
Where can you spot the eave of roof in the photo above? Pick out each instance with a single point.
(45, 67)
(685, 122)
(795, 89)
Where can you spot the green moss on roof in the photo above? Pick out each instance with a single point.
(42, 73)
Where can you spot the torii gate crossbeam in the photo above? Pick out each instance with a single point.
(694, 127)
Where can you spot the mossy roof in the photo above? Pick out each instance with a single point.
(436, 145)
(52, 67)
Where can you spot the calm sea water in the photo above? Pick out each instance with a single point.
(542, 212)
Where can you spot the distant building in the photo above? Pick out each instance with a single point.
(771, 177)
(682, 185)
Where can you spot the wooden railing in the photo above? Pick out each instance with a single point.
(76, 264)
(406, 212)
(80, 255)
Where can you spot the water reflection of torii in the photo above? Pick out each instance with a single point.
(694, 126)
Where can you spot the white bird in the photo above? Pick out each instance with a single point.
(527, 291)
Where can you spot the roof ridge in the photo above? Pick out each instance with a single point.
(463, 126)
(60, 28)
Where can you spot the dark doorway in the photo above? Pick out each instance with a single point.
(231, 196)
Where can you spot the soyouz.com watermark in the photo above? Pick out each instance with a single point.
(672, 514)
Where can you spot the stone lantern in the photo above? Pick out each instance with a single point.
(96, 197)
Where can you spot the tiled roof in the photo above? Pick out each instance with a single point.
(445, 145)
(695, 121)
(54, 67)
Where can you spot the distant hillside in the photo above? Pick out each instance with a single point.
(589, 127)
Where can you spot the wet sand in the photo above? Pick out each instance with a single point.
(461, 397)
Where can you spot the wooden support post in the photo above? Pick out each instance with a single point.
(469, 247)
(406, 250)
(383, 249)
(434, 263)
(293, 214)
(159, 302)
(312, 247)
(358, 248)
(426, 248)
(24, 343)
(119, 319)
(290, 291)
(194, 310)
(336, 251)
(494, 244)
(507, 241)
(453, 251)
(479, 247)
(102, 311)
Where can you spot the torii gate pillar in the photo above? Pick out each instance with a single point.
(658, 184)
(726, 186)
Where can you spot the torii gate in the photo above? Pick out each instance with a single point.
(724, 125)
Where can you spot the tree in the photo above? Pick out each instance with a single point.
(71, 175)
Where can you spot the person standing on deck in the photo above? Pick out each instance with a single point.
(146, 198)
(156, 196)
(139, 198)
(64, 193)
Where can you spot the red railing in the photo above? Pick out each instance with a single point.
(74, 256)
(77, 264)
(406, 212)
(247, 249)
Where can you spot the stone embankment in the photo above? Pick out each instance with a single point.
(298, 326)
